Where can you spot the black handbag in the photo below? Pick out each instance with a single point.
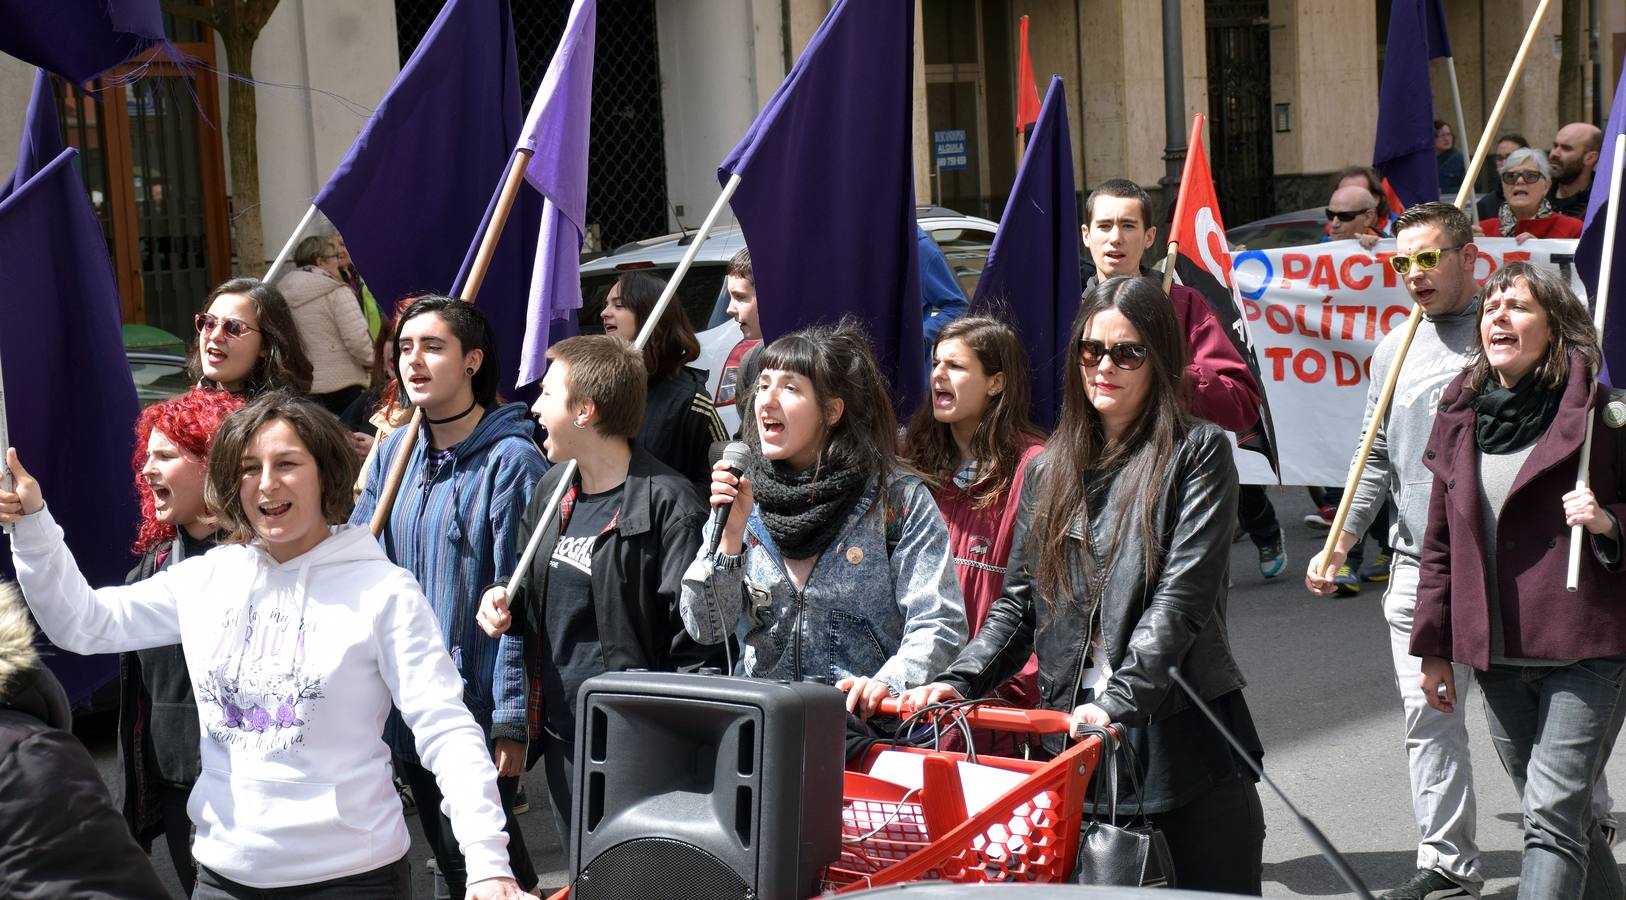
(1135, 855)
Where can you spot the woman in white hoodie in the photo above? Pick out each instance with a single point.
(298, 636)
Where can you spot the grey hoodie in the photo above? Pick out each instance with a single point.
(1394, 471)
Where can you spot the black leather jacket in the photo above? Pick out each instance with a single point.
(1178, 619)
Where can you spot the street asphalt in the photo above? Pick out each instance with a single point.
(1322, 693)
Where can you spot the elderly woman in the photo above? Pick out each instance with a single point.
(1505, 449)
(330, 322)
(1525, 214)
(1118, 572)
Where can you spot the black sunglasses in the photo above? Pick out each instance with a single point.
(234, 328)
(1346, 215)
(1126, 356)
(1525, 176)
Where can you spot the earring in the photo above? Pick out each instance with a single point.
(469, 370)
(581, 423)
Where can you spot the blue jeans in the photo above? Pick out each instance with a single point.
(1554, 727)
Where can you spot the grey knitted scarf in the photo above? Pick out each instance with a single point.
(804, 511)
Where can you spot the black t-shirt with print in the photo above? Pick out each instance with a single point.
(570, 626)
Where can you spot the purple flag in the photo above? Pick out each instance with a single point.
(407, 197)
(1404, 151)
(42, 135)
(1589, 252)
(556, 133)
(826, 199)
(79, 39)
(70, 402)
(1032, 268)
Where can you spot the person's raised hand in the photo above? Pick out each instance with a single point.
(494, 889)
(24, 497)
(494, 618)
(726, 487)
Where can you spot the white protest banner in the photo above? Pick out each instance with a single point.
(1316, 314)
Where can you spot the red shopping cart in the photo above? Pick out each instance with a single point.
(1029, 832)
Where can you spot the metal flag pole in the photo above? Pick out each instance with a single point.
(645, 332)
(512, 179)
(1381, 408)
(1606, 268)
(5, 444)
(1456, 103)
(288, 248)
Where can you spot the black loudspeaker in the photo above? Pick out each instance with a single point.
(695, 787)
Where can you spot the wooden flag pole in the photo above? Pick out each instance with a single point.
(512, 180)
(1180, 205)
(1168, 265)
(288, 248)
(1381, 408)
(1605, 271)
(645, 332)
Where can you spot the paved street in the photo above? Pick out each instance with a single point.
(1322, 691)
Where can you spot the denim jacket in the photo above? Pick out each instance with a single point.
(882, 600)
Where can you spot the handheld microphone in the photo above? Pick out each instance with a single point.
(1328, 851)
(737, 454)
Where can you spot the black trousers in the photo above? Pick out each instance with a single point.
(178, 833)
(559, 764)
(1256, 514)
(1218, 840)
(437, 831)
(383, 883)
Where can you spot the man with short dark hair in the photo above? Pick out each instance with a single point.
(1435, 259)
(1117, 232)
(1573, 158)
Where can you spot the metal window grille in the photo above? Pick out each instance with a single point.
(626, 185)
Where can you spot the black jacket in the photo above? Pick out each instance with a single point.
(638, 566)
(1145, 626)
(59, 833)
(158, 715)
(680, 425)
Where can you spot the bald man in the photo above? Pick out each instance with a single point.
(1573, 157)
(1352, 214)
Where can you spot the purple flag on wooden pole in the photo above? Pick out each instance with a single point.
(826, 199)
(79, 39)
(69, 401)
(556, 132)
(1589, 252)
(42, 135)
(407, 197)
(1032, 268)
(1404, 151)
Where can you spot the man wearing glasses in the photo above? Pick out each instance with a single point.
(1352, 214)
(1435, 259)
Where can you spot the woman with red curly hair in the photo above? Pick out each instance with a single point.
(158, 717)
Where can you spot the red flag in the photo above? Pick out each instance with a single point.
(1027, 92)
(1204, 263)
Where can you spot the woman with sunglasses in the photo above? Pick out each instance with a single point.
(1503, 451)
(330, 322)
(833, 561)
(1525, 212)
(1118, 571)
(973, 442)
(248, 342)
(298, 638)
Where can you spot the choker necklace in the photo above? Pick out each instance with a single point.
(472, 405)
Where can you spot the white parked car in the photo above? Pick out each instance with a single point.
(963, 239)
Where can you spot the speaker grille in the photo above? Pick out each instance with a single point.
(659, 869)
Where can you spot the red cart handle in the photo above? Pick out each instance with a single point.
(995, 718)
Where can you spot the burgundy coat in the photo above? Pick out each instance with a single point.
(1540, 619)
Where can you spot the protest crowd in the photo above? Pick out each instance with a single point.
(332, 620)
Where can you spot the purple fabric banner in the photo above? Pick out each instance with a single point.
(407, 196)
(42, 135)
(556, 132)
(79, 39)
(1589, 252)
(827, 196)
(1032, 268)
(1404, 151)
